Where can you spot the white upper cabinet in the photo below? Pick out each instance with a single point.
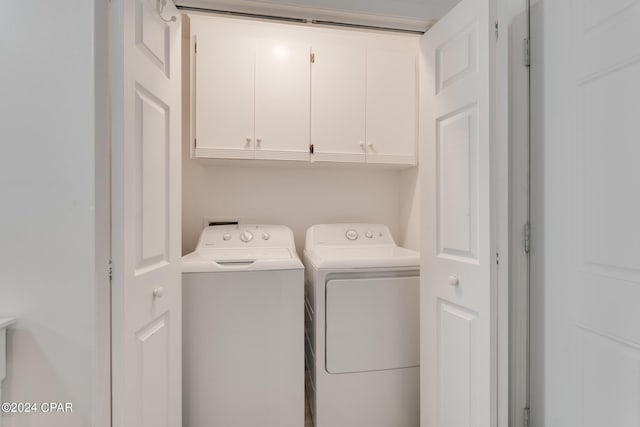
(251, 92)
(338, 96)
(276, 91)
(391, 106)
(364, 100)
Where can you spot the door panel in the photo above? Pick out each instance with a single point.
(458, 329)
(456, 58)
(607, 167)
(456, 163)
(153, 349)
(456, 365)
(150, 181)
(152, 36)
(608, 368)
(586, 271)
(146, 311)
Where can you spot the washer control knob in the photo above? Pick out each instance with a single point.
(368, 234)
(266, 236)
(351, 234)
(246, 236)
(226, 236)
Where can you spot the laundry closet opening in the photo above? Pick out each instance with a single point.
(394, 137)
(298, 125)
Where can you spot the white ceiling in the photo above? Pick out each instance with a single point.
(402, 14)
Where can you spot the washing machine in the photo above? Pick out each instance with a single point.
(361, 327)
(243, 329)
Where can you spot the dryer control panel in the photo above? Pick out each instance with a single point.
(349, 234)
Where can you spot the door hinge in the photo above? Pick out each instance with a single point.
(195, 47)
(527, 53)
(312, 58)
(311, 148)
(497, 30)
(525, 417)
(527, 238)
(110, 270)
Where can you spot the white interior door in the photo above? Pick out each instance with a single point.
(458, 324)
(586, 240)
(146, 314)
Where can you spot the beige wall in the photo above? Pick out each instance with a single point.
(409, 209)
(294, 196)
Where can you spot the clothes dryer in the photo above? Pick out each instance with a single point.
(362, 327)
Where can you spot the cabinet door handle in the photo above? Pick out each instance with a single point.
(248, 141)
(361, 144)
(258, 140)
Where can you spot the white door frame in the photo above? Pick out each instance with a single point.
(518, 215)
(101, 388)
(104, 37)
(510, 121)
(512, 130)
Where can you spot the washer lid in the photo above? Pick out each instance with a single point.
(386, 256)
(231, 255)
(250, 259)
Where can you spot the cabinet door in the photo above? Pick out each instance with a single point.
(338, 84)
(223, 91)
(282, 98)
(391, 106)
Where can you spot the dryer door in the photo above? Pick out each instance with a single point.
(372, 324)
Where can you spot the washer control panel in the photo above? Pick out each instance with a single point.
(245, 235)
(349, 234)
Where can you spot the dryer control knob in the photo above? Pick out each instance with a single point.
(266, 236)
(246, 236)
(226, 236)
(351, 234)
(368, 234)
